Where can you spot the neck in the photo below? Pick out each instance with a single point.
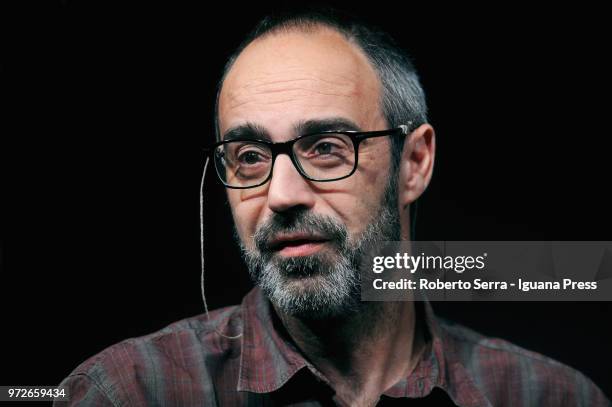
(358, 353)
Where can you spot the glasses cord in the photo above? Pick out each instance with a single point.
(202, 253)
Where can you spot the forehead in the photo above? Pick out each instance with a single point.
(287, 77)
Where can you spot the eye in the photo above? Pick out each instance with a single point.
(250, 157)
(327, 147)
(324, 148)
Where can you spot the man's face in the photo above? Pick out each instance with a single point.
(300, 237)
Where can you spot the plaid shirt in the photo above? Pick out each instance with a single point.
(189, 364)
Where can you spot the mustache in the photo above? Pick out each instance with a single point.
(303, 222)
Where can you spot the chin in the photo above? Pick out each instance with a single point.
(312, 298)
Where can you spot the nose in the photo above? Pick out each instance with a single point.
(288, 189)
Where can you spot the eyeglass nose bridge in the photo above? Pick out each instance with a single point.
(286, 148)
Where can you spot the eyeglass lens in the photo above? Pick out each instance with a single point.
(321, 157)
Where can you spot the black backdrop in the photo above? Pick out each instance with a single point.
(109, 104)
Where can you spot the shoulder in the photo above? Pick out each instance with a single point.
(137, 371)
(511, 375)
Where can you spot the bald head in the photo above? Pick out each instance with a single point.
(298, 74)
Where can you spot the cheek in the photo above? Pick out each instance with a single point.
(365, 189)
(358, 200)
(246, 214)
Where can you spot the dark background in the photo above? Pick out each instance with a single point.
(108, 105)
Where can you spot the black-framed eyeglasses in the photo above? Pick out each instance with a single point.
(323, 156)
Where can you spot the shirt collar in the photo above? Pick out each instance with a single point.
(439, 367)
(268, 361)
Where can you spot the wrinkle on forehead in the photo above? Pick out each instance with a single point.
(274, 87)
(314, 69)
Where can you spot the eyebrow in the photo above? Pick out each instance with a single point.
(249, 131)
(328, 124)
(253, 131)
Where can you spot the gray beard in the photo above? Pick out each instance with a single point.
(326, 284)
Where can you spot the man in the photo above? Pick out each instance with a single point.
(324, 145)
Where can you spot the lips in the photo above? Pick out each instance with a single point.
(295, 240)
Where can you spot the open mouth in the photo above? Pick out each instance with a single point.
(296, 245)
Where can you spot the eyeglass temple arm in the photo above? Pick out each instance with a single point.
(404, 128)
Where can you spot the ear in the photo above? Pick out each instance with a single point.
(416, 165)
